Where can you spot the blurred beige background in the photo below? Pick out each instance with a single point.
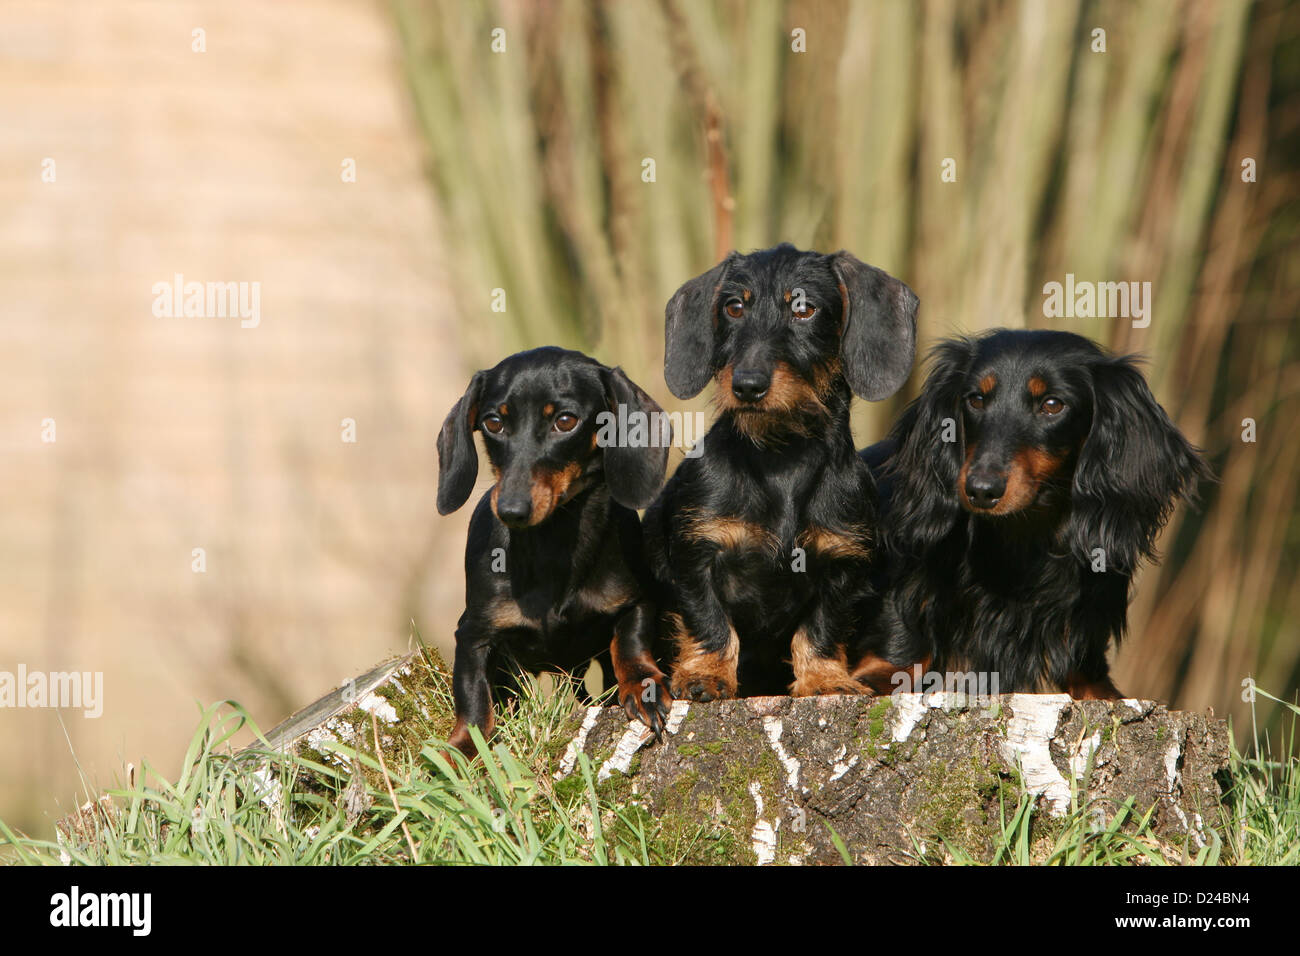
(183, 433)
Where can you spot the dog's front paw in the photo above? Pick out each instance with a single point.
(816, 672)
(645, 697)
(460, 739)
(704, 675)
(703, 687)
(1096, 688)
(819, 684)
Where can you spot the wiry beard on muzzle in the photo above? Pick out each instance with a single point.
(793, 406)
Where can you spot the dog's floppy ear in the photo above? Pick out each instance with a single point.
(1133, 467)
(688, 332)
(930, 447)
(457, 456)
(878, 343)
(634, 472)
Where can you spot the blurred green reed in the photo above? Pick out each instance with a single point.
(1123, 165)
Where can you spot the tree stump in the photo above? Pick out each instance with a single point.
(908, 778)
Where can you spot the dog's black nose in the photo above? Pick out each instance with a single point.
(749, 385)
(985, 489)
(514, 511)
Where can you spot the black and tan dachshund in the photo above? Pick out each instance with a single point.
(555, 570)
(761, 545)
(1021, 490)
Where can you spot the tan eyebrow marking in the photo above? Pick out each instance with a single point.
(1037, 387)
(988, 383)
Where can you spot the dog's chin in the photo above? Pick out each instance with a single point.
(1037, 506)
(767, 427)
(993, 513)
(520, 525)
(769, 424)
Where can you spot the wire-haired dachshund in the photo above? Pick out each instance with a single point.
(1022, 489)
(555, 570)
(762, 544)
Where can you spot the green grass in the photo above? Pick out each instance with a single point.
(260, 807)
(1260, 827)
(1264, 793)
(1079, 839)
(430, 805)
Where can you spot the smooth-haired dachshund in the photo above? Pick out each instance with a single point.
(555, 570)
(1021, 490)
(762, 544)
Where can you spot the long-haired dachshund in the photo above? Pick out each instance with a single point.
(1024, 487)
(555, 570)
(762, 542)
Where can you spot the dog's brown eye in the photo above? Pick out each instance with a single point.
(734, 308)
(806, 313)
(1052, 406)
(493, 424)
(566, 423)
(975, 401)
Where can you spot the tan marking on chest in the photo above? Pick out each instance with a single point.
(835, 544)
(505, 614)
(608, 597)
(732, 534)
